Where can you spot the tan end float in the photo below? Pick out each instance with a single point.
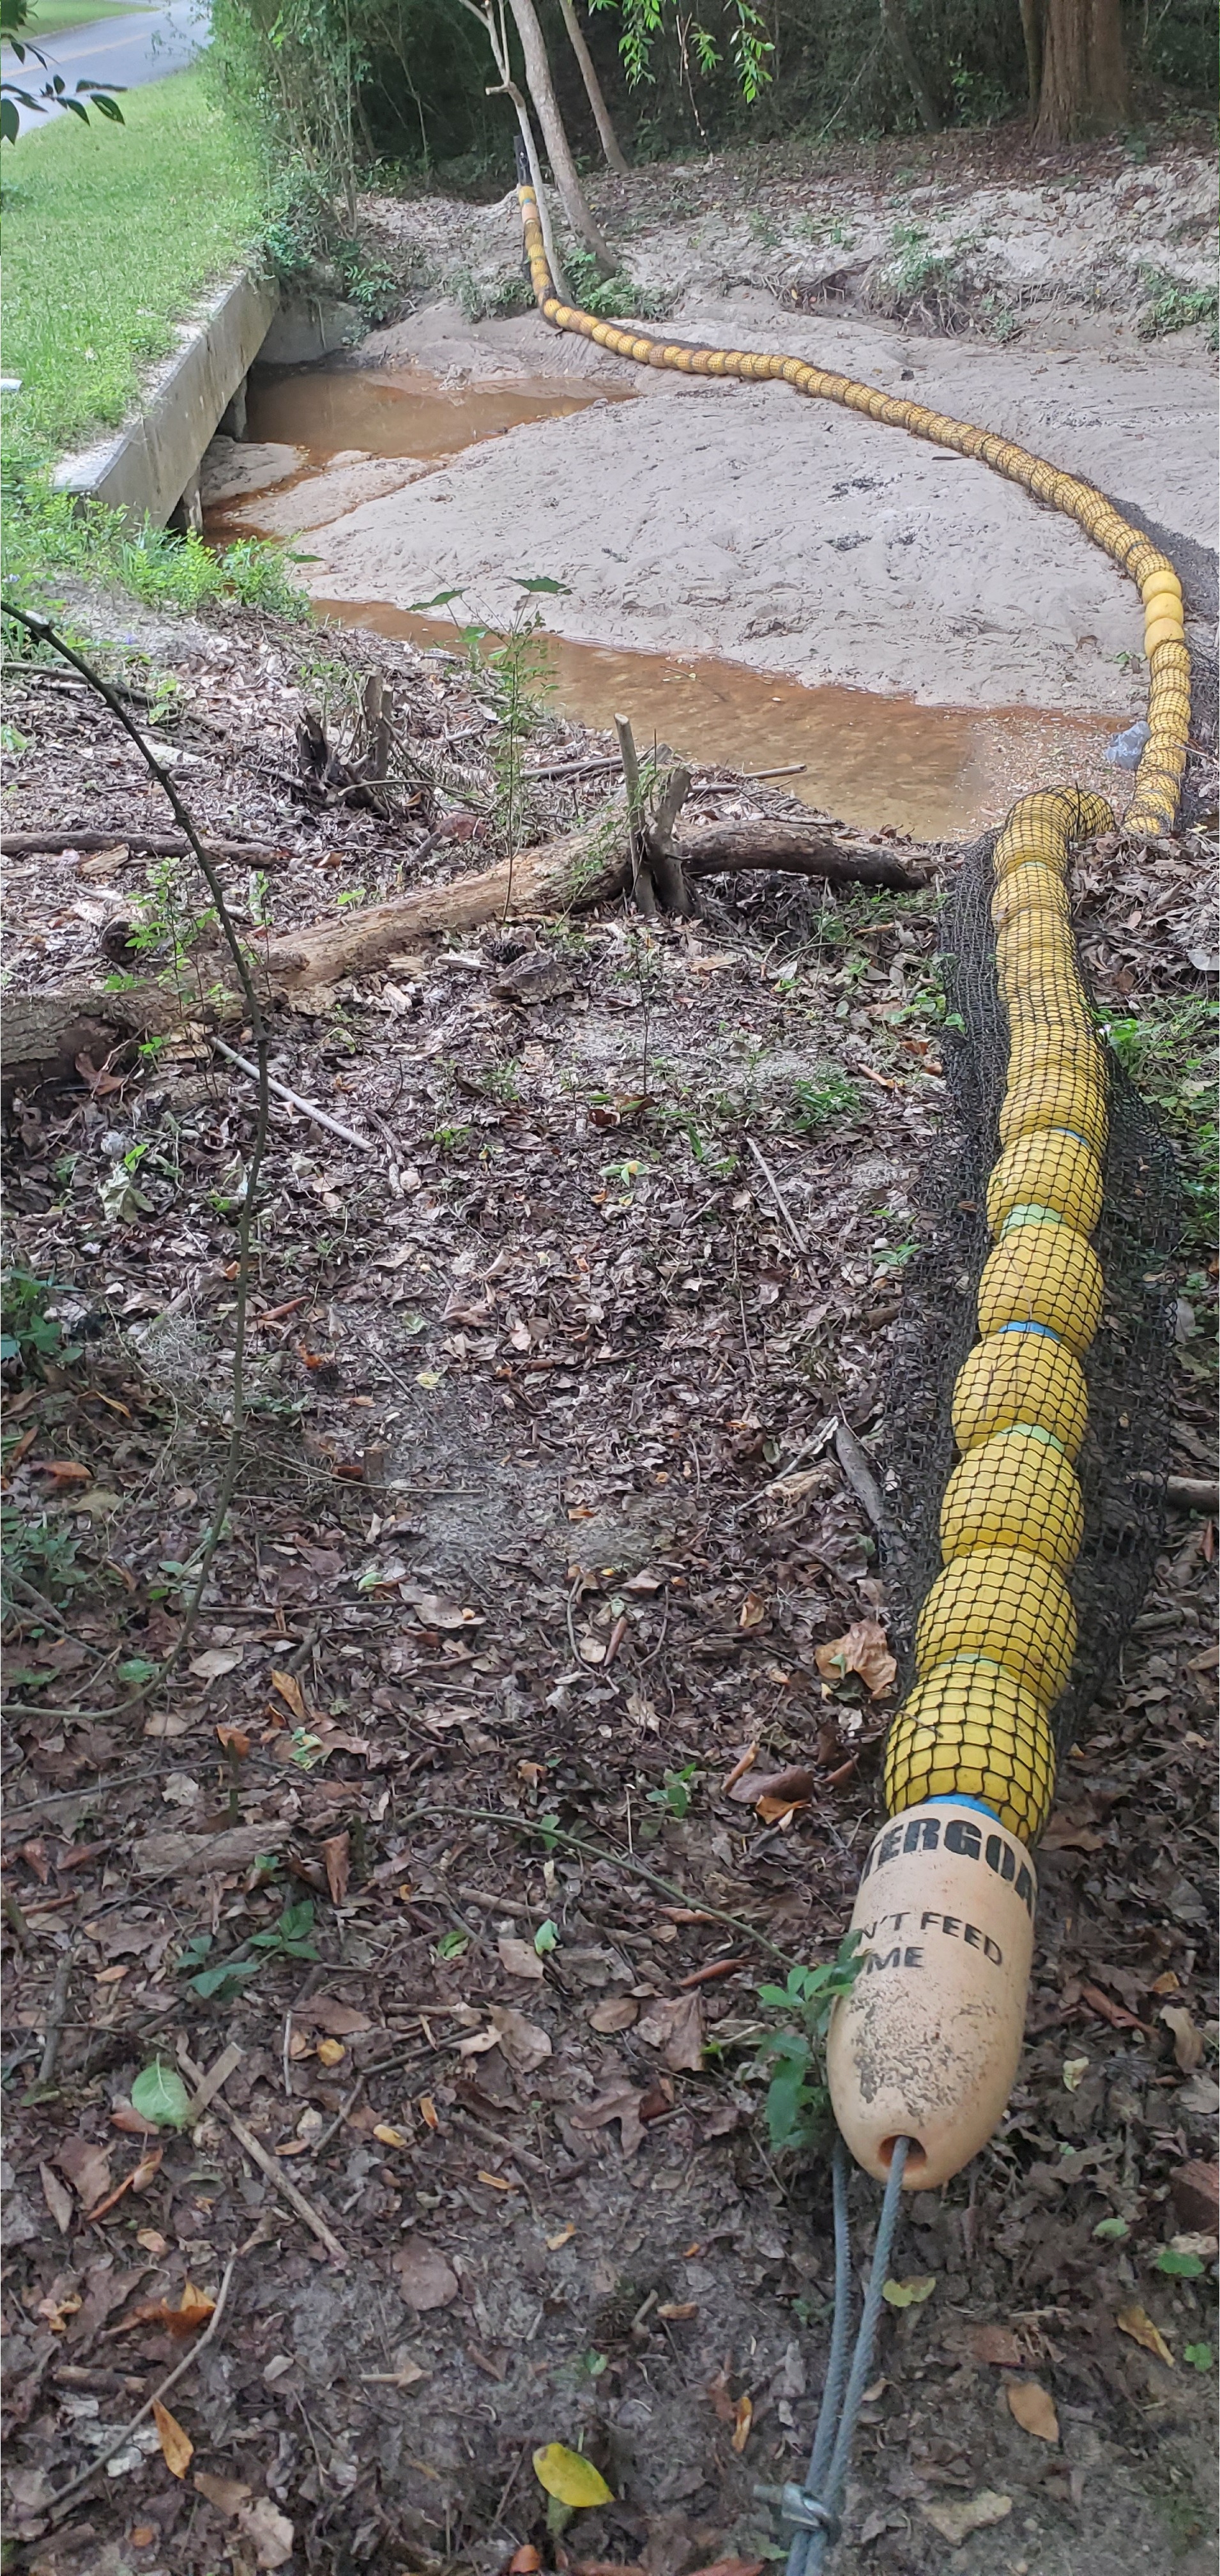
(927, 2044)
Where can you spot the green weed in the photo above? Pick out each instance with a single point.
(289, 1938)
(818, 1100)
(676, 1791)
(1170, 1054)
(610, 297)
(47, 535)
(483, 299)
(797, 2099)
(1174, 307)
(28, 1335)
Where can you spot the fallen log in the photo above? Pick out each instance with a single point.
(44, 1032)
(143, 845)
(805, 849)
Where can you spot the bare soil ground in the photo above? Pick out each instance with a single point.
(540, 1517)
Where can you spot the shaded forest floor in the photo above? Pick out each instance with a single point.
(540, 1526)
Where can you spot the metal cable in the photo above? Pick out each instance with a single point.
(814, 2508)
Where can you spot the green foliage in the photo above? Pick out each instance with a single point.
(1170, 1054)
(1180, 2267)
(676, 1791)
(483, 299)
(797, 2099)
(38, 1552)
(47, 535)
(53, 92)
(1199, 2355)
(289, 1938)
(820, 1098)
(160, 2095)
(1174, 307)
(304, 239)
(28, 1335)
(609, 297)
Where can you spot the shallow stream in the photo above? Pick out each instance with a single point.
(872, 760)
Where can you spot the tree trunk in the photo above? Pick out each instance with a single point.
(1031, 29)
(542, 92)
(892, 12)
(593, 88)
(43, 1033)
(1084, 70)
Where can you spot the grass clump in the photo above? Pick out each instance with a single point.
(1174, 307)
(111, 232)
(1170, 1055)
(49, 536)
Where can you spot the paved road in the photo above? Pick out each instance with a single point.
(127, 51)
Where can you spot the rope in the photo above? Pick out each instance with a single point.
(1158, 779)
(813, 2510)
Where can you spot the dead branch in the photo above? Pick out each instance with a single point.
(142, 845)
(666, 865)
(804, 849)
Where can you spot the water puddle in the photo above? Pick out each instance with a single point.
(871, 760)
(403, 411)
(931, 771)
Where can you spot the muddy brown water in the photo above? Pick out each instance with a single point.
(872, 760)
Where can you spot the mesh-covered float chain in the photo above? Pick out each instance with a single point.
(1158, 780)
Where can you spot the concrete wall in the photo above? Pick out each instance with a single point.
(148, 466)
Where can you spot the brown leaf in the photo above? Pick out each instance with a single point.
(177, 2448)
(193, 2310)
(1034, 2409)
(330, 2052)
(998, 2345)
(524, 2044)
(862, 1649)
(519, 1957)
(743, 2414)
(1116, 2014)
(674, 2026)
(62, 1471)
(328, 2013)
(337, 1857)
(731, 2567)
(234, 1742)
(87, 2167)
(753, 1611)
(622, 2105)
(132, 2122)
(1187, 2037)
(424, 2276)
(269, 2532)
(790, 1788)
(58, 2201)
(1063, 1835)
(955, 2522)
(524, 2562)
(227, 2494)
(617, 2013)
(289, 1689)
(723, 2406)
(1138, 2324)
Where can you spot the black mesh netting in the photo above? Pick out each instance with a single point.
(1123, 1457)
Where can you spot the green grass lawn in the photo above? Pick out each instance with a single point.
(111, 231)
(51, 17)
